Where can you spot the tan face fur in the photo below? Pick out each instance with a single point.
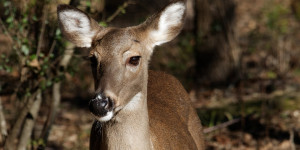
(112, 50)
(113, 74)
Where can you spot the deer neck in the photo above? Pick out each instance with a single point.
(130, 127)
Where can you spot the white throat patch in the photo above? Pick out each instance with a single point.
(107, 117)
(134, 102)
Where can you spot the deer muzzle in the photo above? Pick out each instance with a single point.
(101, 105)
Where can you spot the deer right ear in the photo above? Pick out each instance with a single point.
(165, 25)
(77, 26)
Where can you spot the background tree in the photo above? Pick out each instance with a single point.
(216, 51)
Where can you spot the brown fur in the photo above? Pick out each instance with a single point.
(169, 107)
(173, 123)
(162, 117)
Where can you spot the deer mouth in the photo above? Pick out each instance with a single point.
(106, 117)
(102, 108)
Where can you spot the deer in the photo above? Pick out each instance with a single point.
(134, 108)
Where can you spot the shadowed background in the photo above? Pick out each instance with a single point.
(238, 60)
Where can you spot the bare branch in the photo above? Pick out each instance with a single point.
(5, 29)
(53, 111)
(220, 126)
(119, 10)
(29, 122)
(52, 48)
(68, 53)
(293, 147)
(10, 142)
(40, 43)
(3, 128)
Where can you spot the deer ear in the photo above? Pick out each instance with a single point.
(166, 25)
(77, 26)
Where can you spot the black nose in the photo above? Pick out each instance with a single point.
(104, 102)
(100, 105)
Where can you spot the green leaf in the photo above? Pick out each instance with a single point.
(88, 3)
(34, 18)
(25, 49)
(24, 20)
(103, 24)
(42, 55)
(8, 68)
(21, 29)
(45, 67)
(41, 142)
(32, 57)
(27, 94)
(49, 83)
(271, 75)
(43, 84)
(123, 11)
(51, 55)
(6, 12)
(10, 19)
(6, 4)
(57, 32)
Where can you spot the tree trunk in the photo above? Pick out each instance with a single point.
(11, 141)
(216, 51)
(29, 122)
(3, 128)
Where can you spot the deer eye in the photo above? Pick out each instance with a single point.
(135, 60)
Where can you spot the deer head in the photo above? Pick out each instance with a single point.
(119, 56)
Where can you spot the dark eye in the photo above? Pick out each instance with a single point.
(134, 60)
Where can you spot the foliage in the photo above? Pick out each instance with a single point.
(277, 18)
(34, 58)
(37, 60)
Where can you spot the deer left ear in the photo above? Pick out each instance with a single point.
(77, 26)
(166, 25)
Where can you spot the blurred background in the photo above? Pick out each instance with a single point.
(238, 60)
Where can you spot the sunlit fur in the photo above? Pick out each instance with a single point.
(151, 109)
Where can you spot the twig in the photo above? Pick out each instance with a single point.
(293, 147)
(56, 94)
(67, 56)
(40, 40)
(3, 128)
(52, 48)
(53, 111)
(10, 141)
(220, 126)
(5, 29)
(29, 122)
(119, 10)
(11, 38)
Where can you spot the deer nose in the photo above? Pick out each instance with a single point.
(100, 105)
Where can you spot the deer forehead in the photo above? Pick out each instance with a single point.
(117, 42)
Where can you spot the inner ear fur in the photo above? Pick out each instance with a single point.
(164, 25)
(77, 26)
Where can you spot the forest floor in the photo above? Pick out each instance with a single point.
(271, 121)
